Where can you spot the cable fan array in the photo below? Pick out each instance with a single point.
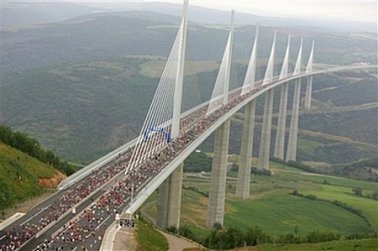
(156, 130)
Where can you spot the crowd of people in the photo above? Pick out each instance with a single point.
(90, 222)
(117, 197)
(65, 201)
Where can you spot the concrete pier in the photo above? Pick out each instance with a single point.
(264, 151)
(309, 79)
(245, 160)
(215, 211)
(279, 145)
(307, 103)
(291, 154)
(169, 204)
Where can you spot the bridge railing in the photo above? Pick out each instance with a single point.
(156, 181)
(122, 149)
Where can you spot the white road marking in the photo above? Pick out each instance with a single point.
(102, 223)
(2, 237)
(43, 209)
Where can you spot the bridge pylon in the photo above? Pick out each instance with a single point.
(291, 154)
(307, 103)
(245, 160)
(269, 73)
(217, 194)
(169, 205)
(215, 211)
(264, 150)
(279, 145)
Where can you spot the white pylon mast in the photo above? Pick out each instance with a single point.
(177, 98)
(229, 61)
(310, 59)
(285, 64)
(250, 76)
(298, 64)
(309, 79)
(270, 67)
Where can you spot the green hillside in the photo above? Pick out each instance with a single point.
(274, 209)
(125, 34)
(83, 111)
(148, 238)
(20, 176)
(84, 92)
(277, 211)
(291, 212)
(344, 245)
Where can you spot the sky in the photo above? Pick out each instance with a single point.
(346, 10)
(353, 10)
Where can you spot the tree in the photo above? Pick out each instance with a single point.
(357, 191)
(31, 146)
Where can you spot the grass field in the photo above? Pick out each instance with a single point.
(19, 176)
(344, 245)
(280, 213)
(148, 238)
(368, 206)
(276, 211)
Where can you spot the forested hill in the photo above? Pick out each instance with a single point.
(26, 169)
(23, 177)
(148, 33)
(83, 86)
(32, 147)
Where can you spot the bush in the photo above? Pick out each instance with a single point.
(374, 196)
(357, 191)
(361, 236)
(258, 171)
(172, 229)
(225, 238)
(317, 236)
(195, 189)
(186, 232)
(255, 236)
(349, 208)
(289, 239)
(311, 197)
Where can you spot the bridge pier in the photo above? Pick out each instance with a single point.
(169, 204)
(291, 154)
(279, 146)
(307, 103)
(264, 150)
(215, 211)
(245, 161)
(309, 79)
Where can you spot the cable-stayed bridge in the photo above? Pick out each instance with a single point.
(87, 202)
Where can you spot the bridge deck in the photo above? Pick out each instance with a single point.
(97, 205)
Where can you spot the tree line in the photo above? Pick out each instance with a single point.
(32, 147)
(231, 237)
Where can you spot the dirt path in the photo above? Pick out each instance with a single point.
(178, 244)
(125, 241)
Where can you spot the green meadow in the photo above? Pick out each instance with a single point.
(19, 176)
(274, 209)
(342, 245)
